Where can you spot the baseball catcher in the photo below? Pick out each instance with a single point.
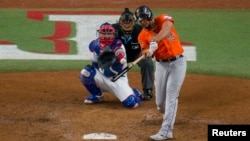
(108, 59)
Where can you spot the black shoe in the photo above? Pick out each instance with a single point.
(148, 94)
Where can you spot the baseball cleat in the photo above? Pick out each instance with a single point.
(93, 99)
(159, 137)
(148, 94)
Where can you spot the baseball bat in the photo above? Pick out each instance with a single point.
(126, 69)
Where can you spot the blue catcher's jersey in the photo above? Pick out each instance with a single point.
(116, 45)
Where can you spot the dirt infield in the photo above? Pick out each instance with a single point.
(48, 106)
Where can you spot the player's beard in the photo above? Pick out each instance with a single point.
(150, 26)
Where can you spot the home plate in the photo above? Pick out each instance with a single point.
(99, 136)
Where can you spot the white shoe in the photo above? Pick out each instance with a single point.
(159, 137)
(93, 99)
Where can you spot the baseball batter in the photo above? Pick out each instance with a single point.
(97, 77)
(160, 39)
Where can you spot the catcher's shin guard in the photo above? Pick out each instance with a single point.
(133, 101)
(138, 94)
(87, 79)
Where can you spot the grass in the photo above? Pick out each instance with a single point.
(221, 38)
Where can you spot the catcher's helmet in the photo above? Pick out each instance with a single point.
(106, 34)
(127, 20)
(143, 12)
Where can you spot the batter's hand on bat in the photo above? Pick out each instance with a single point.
(153, 46)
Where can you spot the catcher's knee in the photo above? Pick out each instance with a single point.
(132, 101)
(87, 79)
(88, 72)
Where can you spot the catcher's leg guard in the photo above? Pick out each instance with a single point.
(87, 79)
(138, 94)
(133, 101)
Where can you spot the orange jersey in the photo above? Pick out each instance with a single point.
(167, 47)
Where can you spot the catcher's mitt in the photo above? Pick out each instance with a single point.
(106, 59)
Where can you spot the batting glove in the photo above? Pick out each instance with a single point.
(153, 46)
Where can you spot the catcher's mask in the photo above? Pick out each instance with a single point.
(127, 20)
(106, 34)
(143, 12)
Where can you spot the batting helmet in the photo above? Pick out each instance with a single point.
(143, 12)
(106, 34)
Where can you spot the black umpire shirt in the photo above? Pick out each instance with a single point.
(130, 41)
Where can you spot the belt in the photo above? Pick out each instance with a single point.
(169, 59)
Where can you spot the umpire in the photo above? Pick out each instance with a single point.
(127, 31)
